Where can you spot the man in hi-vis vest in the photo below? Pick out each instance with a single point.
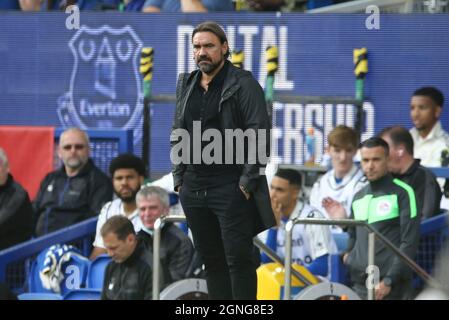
(389, 206)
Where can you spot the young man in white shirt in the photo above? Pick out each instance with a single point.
(128, 174)
(429, 137)
(311, 244)
(332, 194)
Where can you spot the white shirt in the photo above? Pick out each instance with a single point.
(110, 209)
(429, 149)
(165, 182)
(309, 241)
(342, 192)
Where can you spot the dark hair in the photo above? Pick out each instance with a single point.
(343, 137)
(127, 161)
(376, 142)
(432, 93)
(399, 136)
(292, 176)
(121, 226)
(210, 26)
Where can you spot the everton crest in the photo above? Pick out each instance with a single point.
(105, 87)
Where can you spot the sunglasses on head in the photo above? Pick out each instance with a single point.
(76, 146)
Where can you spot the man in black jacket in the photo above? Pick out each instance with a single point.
(76, 191)
(389, 206)
(403, 166)
(129, 275)
(16, 213)
(176, 249)
(223, 194)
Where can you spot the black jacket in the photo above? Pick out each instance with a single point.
(176, 252)
(426, 187)
(16, 214)
(242, 106)
(63, 201)
(402, 230)
(131, 279)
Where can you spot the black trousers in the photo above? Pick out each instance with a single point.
(222, 222)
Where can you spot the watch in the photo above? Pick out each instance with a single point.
(387, 281)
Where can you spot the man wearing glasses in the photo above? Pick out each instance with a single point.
(74, 192)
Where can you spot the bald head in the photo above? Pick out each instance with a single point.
(74, 150)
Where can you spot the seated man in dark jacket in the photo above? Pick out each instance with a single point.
(129, 275)
(403, 166)
(176, 251)
(389, 206)
(76, 191)
(16, 213)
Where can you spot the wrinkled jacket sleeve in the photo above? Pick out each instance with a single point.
(177, 168)
(37, 203)
(409, 237)
(147, 284)
(430, 195)
(11, 206)
(254, 116)
(180, 260)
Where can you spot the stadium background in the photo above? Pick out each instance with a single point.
(53, 76)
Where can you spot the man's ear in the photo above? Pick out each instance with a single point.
(401, 152)
(131, 237)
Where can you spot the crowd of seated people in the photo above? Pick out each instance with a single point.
(79, 190)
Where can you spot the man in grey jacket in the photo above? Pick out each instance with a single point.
(223, 194)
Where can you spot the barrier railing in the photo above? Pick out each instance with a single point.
(156, 253)
(442, 172)
(13, 261)
(372, 233)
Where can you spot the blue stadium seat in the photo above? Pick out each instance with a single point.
(341, 239)
(75, 274)
(338, 272)
(95, 276)
(83, 294)
(39, 296)
(34, 282)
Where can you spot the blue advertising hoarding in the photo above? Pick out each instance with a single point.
(50, 75)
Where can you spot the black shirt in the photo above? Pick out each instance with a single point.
(131, 279)
(203, 106)
(426, 188)
(16, 214)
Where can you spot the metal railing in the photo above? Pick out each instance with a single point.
(156, 253)
(16, 255)
(156, 249)
(372, 233)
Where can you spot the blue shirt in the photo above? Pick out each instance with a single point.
(175, 5)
